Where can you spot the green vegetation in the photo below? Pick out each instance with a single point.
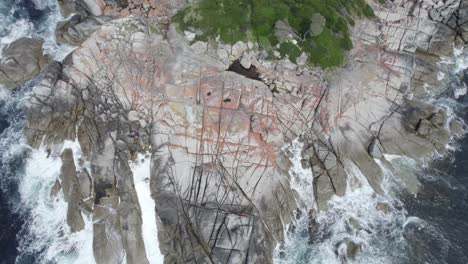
(243, 20)
(291, 50)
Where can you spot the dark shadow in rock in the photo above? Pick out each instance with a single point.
(250, 73)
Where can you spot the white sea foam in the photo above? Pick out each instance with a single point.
(48, 231)
(353, 217)
(301, 179)
(18, 29)
(461, 59)
(141, 176)
(296, 243)
(12, 29)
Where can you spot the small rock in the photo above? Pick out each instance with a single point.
(74, 217)
(133, 116)
(457, 128)
(284, 32)
(199, 47)
(246, 62)
(425, 128)
(383, 207)
(439, 118)
(121, 145)
(237, 49)
(354, 223)
(55, 189)
(223, 54)
(317, 24)
(352, 249)
(189, 35)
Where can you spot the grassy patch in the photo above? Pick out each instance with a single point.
(290, 50)
(243, 20)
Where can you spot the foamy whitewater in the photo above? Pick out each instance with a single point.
(353, 217)
(47, 230)
(141, 176)
(16, 22)
(379, 224)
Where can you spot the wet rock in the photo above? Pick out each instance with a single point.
(107, 239)
(347, 249)
(383, 207)
(21, 61)
(54, 191)
(457, 127)
(246, 62)
(354, 223)
(439, 118)
(71, 191)
(74, 218)
(67, 7)
(352, 249)
(67, 174)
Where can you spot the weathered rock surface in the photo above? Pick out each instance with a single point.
(71, 192)
(21, 60)
(77, 29)
(219, 176)
(217, 166)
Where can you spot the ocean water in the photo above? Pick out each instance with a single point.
(431, 227)
(18, 18)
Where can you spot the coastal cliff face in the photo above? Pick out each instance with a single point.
(214, 120)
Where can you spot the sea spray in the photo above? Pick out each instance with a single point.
(141, 176)
(374, 223)
(295, 247)
(36, 19)
(47, 236)
(302, 179)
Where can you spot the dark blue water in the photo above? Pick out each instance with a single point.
(13, 10)
(11, 124)
(11, 162)
(443, 204)
(13, 151)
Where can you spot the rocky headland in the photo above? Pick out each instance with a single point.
(215, 118)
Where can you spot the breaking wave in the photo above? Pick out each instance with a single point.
(363, 227)
(27, 18)
(141, 176)
(46, 236)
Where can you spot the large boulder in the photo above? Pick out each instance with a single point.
(21, 60)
